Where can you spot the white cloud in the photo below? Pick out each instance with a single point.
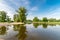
(31, 12)
(34, 8)
(4, 7)
(26, 3)
(15, 2)
(19, 3)
(30, 16)
(11, 11)
(54, 14)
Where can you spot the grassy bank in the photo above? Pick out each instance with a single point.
(13, 23)
(47, 22)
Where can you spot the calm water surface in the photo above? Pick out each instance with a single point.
(30, 32)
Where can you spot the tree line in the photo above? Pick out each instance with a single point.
(21, 15)
(4, 17)
(45, 19)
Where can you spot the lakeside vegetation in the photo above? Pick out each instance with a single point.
(21, 15)
(46, 20)
(4, 17)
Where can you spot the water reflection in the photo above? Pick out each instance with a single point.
(35, 25)
(44, 25)
(16, 27)
(21, 32)
(52, 24)
(2, 30)
(28, 32)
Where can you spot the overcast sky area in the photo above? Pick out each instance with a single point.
(35, 8)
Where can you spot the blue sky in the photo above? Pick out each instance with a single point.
(39, 8)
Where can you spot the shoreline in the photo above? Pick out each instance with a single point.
(47, 22)
(13, 23)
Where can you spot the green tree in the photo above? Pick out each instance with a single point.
(2, 16)
(40, 20)
(16, 18)
(29, 21)
(45, 19)
(22, 14)
(52, 20)
(35, 19)
(58, 20)
(8, 19)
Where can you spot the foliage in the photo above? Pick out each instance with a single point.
(21, 16)
(58, 20)
(8, 19)
(16, 18)
(45, 19)
(40, 20)
(3, 16)
(52, 20)
(35, 19)
(29, 21)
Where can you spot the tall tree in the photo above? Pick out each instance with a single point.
(22, 14)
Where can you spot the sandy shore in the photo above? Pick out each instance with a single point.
(14, 23)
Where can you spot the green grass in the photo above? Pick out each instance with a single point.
(47, 22)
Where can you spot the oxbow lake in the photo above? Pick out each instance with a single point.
(30, 32)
